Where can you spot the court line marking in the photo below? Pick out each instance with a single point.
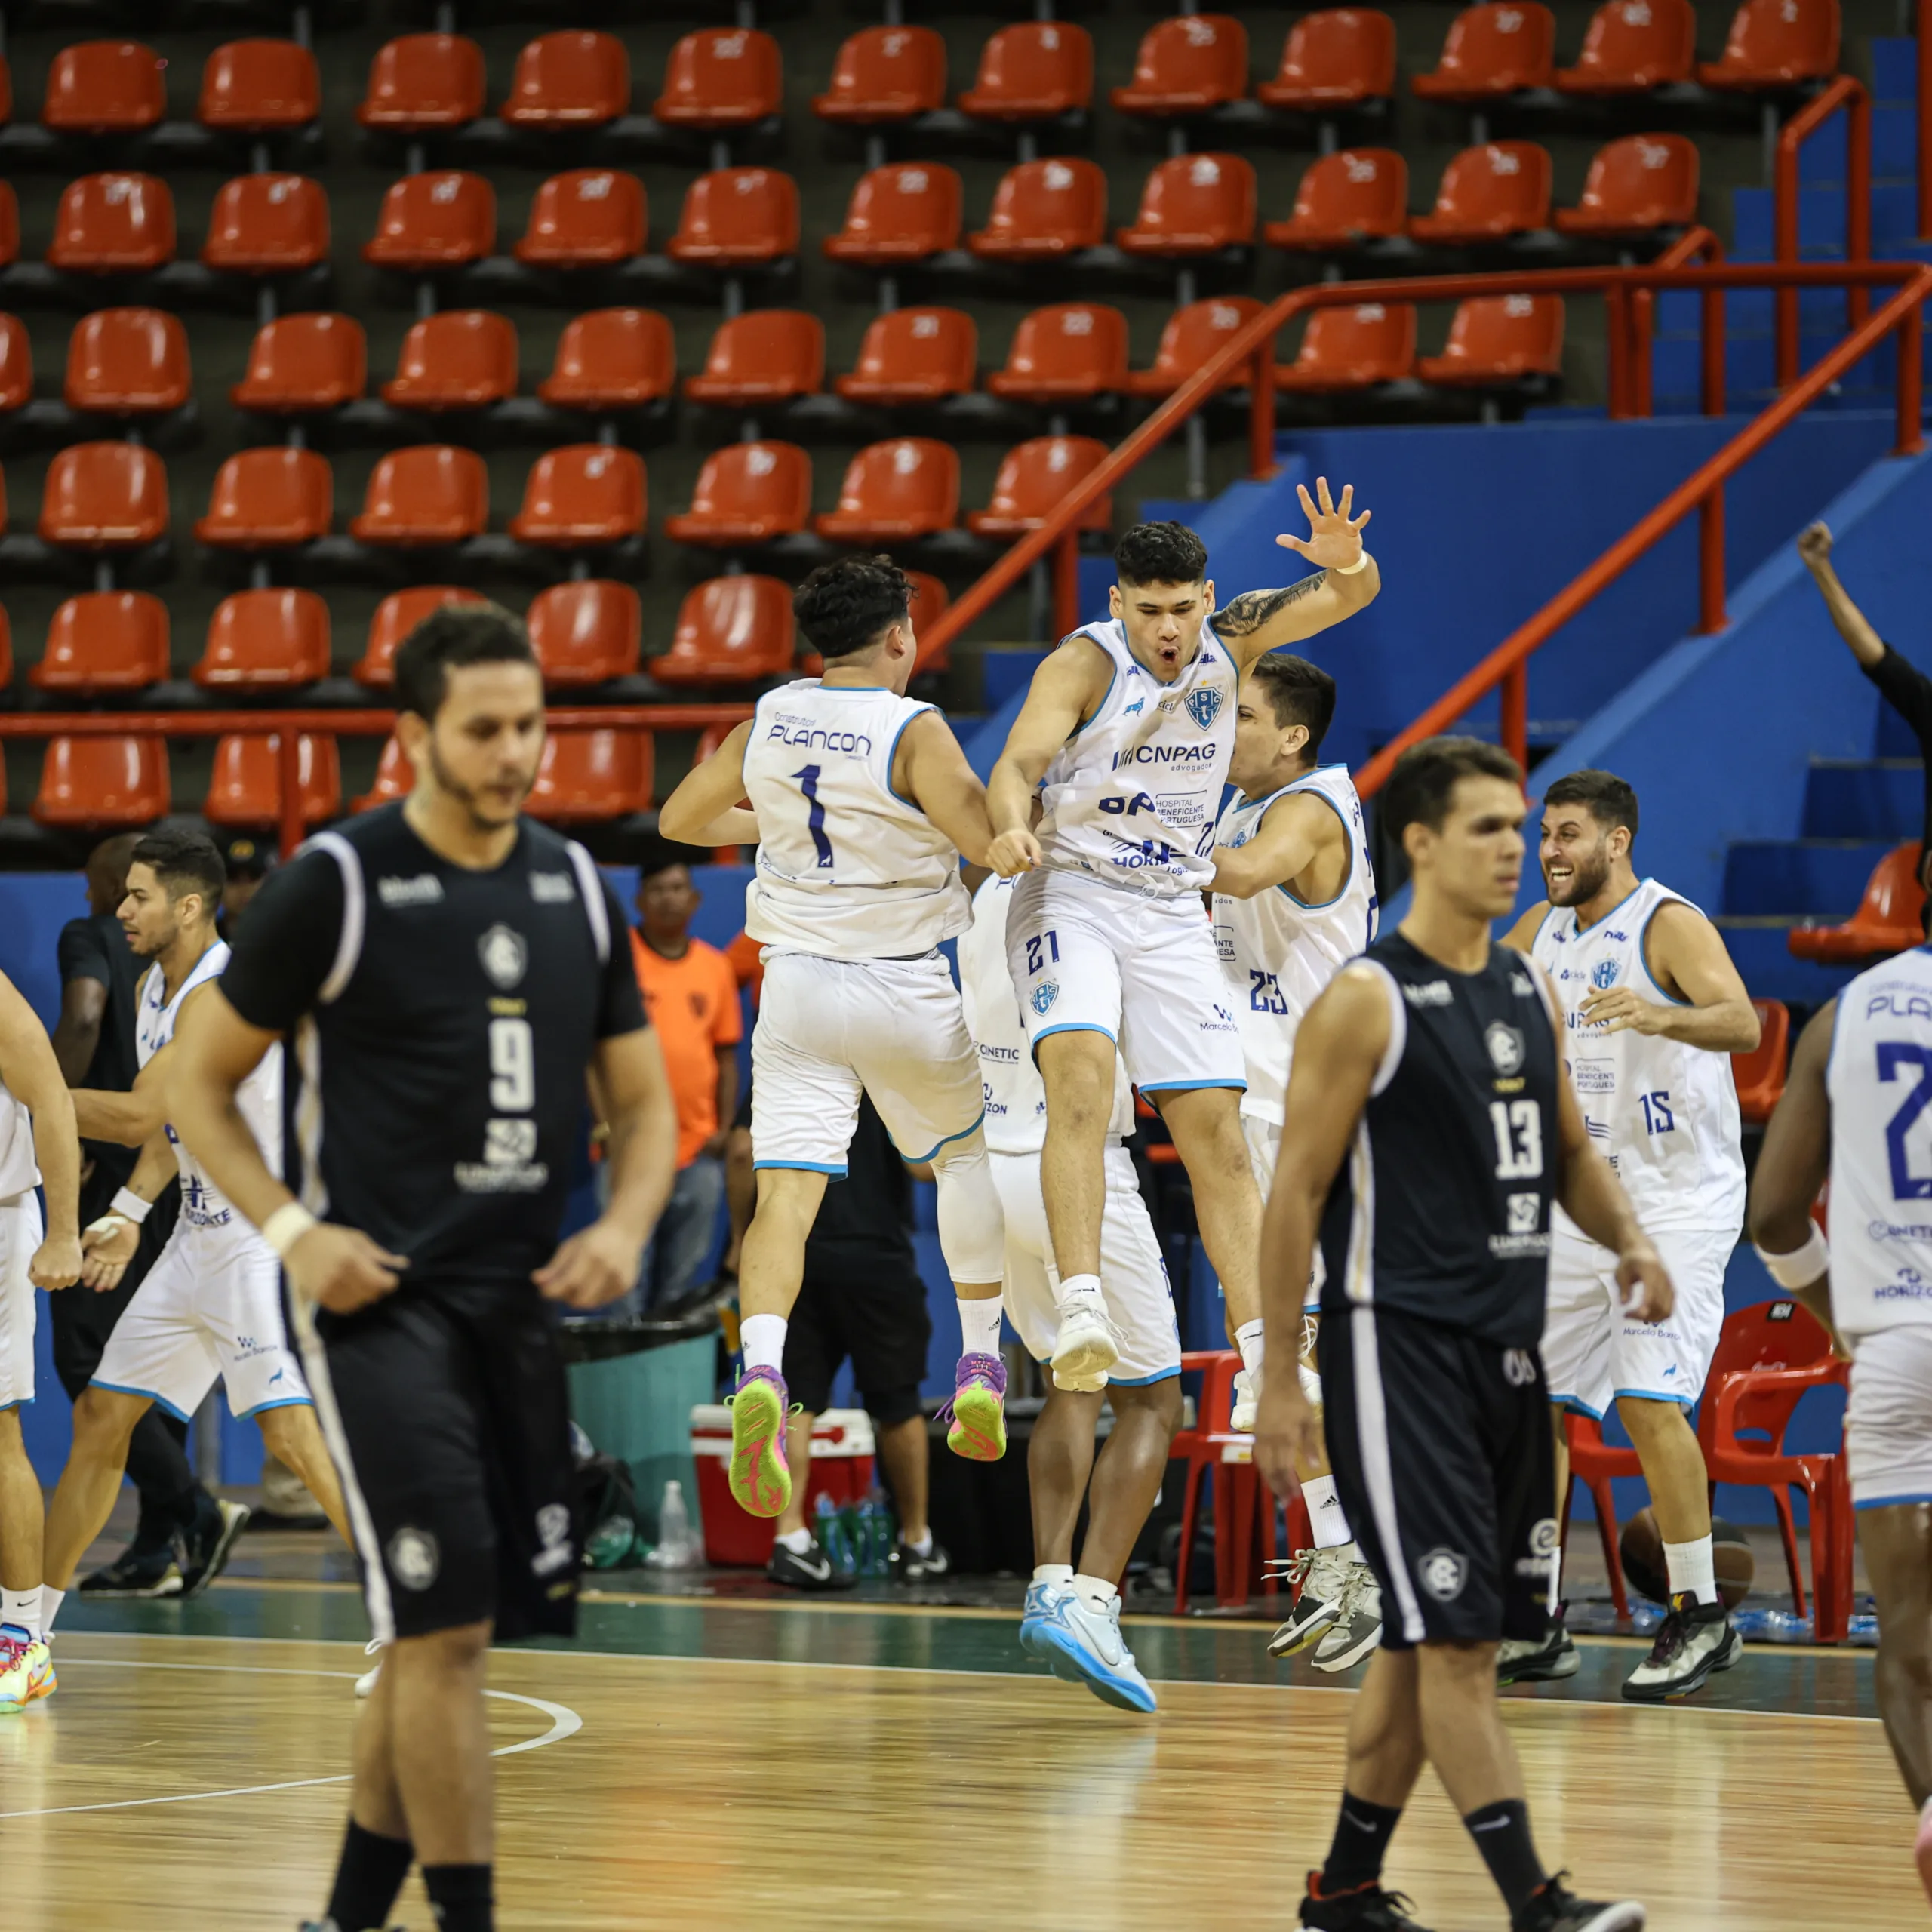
(564, 1723)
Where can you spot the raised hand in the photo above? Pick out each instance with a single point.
(1335, 538)
(1814, 545)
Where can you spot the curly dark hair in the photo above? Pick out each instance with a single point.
(451, 638)
(184, 862)
(1425, 777)
(1160, 553)
(849, 605)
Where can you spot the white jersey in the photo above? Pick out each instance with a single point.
(1278, 953)
(1016, 1099)
(846, 869)
(18, 1170)
(1879, 1078)
(1664, 1115)
(1131, 798)
(258, 1098)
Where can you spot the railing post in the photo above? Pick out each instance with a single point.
(1925, 120)
(1516, 714)
(1910, 347)
(1618, 327)
(1711, 617)
(1643, 316)
(1713, 345)
(1066, 583)
(288, 764)
(1858, 201)
(1784, 199)
(1261, 413)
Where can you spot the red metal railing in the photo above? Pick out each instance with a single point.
(1696, 244)
(1925, 120)
(1850, 95)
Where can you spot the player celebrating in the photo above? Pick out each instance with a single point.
(863, 803)
(1655, 1010)
(450, 970)
(1072, 1614)
(1429, 1129)
(1294, 899)
(1129, 726)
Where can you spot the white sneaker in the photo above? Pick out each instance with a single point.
(1357, 1630)
(1085, 1646)
(1248, 1402)
(1087, 1345)
(1323, 1575)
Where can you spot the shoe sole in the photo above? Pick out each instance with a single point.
(760, 1481)
(979, 1424)
(1081, 1385)
(1072, 1665)
(1670, 1694)
(1029, 1636)
(169, 1586)
(44, 1687)
(1351, 1654)
(1628, 1917)
(1286, 1643)
(235, 1520)
(1567, 1664)
(1086, 1359)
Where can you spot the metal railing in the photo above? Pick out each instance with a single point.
(1852, 97)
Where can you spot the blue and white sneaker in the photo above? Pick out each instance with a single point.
(1085, 1646)
(1042, 1598)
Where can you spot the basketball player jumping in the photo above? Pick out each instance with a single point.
(1854, 1107)
(863, 804)
(1429, 1131)
(1126, 736)
(1654, 1009)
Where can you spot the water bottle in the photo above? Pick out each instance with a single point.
(678, 1545)
(833, 1537)
(887, 1522)
(871, 1553)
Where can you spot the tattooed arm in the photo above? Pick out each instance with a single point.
(1260, 621)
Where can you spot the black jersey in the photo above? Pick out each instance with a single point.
(442, 1019)
(1441, 1208)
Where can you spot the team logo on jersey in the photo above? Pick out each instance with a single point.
(1602, 975)
(1443, 1573)
(504, 955)
(1545, 1538)
(1204, 706)
(1506, 1046)
(1044, 995)
(414, 1557)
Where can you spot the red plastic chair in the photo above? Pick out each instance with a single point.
(423, 83)
(16, 364)
(1498, 340)
(1775, 44)
(1488, 194)
(1342, 57)
(268, 224)
(396, 616)
(587, 633)
(111, 224)
(1759, 1075)
(583, 496)
(431, 494)
(1595, 1464)
(6, 91)
(10, 226)
(883, 75)
(1036, 70)
(260, 87)
(737, 218)
(1344, 199)
(1031, 480)
(109, 783)
(746, 493)
(303, 365)
(1188, 337)
(905, 487)
(442, 219)
(904, 212)
(1890, 917)
(395, 779)
(1352, 348)
(767, 355)
(127, 362)
(461, 358)
(106, 640)
(104, 497)
(1063, 353)
(1190, 64)
(585, 217)
(265, 640)
(1635, 187)
(720, 79)
(245, 786)
(105, 86)
(268, 499)
(1194, 204)
(731, 630)
(573, 79)
(586, 776)
(914, 355)
(1493, 51)
(1043, 211)
(612, 358)
(1631, 46)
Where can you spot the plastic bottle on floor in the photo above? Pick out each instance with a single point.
(679, 1546)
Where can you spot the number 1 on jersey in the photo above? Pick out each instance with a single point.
(815, 817)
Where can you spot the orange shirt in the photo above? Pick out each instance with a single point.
(693, 1002)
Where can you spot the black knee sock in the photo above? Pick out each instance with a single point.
(460, 1896)
(1362, 1832)
(1502, 1833)
(371, 1873)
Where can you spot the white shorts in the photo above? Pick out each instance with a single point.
(1264, 1154)
(20, 1236)
(1134, 1276)
(1888, 1421)
(1090, 957)
(1592, 1352)
(831, 1029)
(211, 1306)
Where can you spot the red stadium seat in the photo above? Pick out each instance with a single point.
(1036, 70)
(112, 224)
(127, 362)
(1344, 199)
(1190, 64)
(268, 224)
(746, 493)
(265, 640)
(396, 616)
(1632, 46)
(107, 641)
(260, 87)
(268, 499)
(737, 218)
(905, 487)
(582, 496)
(422, 83)
(1493, 51)
(574, 78)
(6, 91)
(105, 86)
(1343, 57)
(10, 226)
(430, 494)
(585, 776)
(1887, 920)
(731, 630)
(1194, 204)
(1031, 480)
(1636, 186)
(461, 358)
(902, 213)
(441, 219)
(1488, 194)
(1774, 45)
(104, 497)
(1760, 1074)
(1190, 336)
(103, 782)
(16, 364)
(1352, 349)
(884, 75)
(611, 359)
(1064, 353)
(1043, 210)
(245, 786)
(767, 355)
(914, 355)
(1497, 340)
(303, 365)
(585, 217)
(720, 78)
(395, 777)
(587, 633)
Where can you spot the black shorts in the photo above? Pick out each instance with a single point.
(1442, 1458)
(877, 1317)
(456, 1414)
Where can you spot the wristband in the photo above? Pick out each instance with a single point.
(286, 1226)
(1802, 1265)
(1355, 569)
(130, 1207)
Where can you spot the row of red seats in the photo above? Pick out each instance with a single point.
(1495, 341)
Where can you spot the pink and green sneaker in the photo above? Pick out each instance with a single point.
(977, 1415)
(760, 1476)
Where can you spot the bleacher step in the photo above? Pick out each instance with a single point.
(1800, 877)
(1869, 798)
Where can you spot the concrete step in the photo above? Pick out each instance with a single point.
(1873, 799)
(1758, 949)
(1820, 877)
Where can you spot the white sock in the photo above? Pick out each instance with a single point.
(1691, 1568)
(50, 1600)
(1052, 1573)
(1078, 1287)
(21, 1610)
(978, 1326)
(1326, 1520)
(919, 1545)
(1096, 1592)
(797, 1541)
(762, 1338)
(1247, 1338)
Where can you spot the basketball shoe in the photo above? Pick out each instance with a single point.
(26, 1672)
(1357, 1630)
(1555, 1908)
(1085, 1646)
(761, 1476)
(1086, 1344)
(1543, 1659)
(1365, 1908)
(1246, 1403)
(975, 1417)
(1042, 1599)
(208, 1545)
(143, 1569)
(365, 1685)
(1693, 1642)
(1323, 1575)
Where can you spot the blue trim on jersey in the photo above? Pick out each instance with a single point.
(804, 1167)
(1144, 1381)
(1354, 857)
(1575, 1405)
(1892, 1502)
(1113, 679)
(892, 752)
(1071, 1026)
(1685, 1402)
(1188, 1086)
(25, 1402)
(280, 1402)
(919, 1160)
(160, 1401)
(1643, 961)
(1579, 931)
